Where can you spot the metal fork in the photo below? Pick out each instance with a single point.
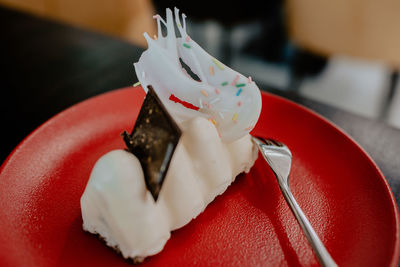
(279, 159)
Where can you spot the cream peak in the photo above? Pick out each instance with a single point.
(186, 98)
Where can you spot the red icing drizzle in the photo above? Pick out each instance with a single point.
(183, 103)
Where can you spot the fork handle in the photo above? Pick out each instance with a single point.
(322, 253)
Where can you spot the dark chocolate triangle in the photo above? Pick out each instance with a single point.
(153, 141)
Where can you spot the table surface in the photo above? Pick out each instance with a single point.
(46, 67)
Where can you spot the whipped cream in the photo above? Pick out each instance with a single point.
(225, 97)
(117, 205)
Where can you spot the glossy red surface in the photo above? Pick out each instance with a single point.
(338, 186)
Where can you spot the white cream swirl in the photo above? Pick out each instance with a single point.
(225, 97)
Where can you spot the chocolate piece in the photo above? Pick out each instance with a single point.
(153, 141)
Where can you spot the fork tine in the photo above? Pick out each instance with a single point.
(277, 143)
(270, 141)
(260, 139)
(267, 141)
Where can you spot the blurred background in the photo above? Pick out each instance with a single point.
(345, 53)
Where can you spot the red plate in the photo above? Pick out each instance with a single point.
(336, 183)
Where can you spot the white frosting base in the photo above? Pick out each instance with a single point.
(117, 205)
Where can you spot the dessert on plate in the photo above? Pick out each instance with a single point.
(190, 141)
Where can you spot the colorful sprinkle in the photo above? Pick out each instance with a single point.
(156, 16)
(235, 80)
(240, 85)
(136, 84)
(188, 105)
(224, 83)
(204, 93)
(211, 70)
(213, 121)
(217, 91)
(250, 80)
(155, 37)
(179, 25)
(239, 91)
(187, 38)
(186, 45)
(239, 103)
(234, 117)
(219, 64)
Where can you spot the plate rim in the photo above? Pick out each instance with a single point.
(396, 252)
